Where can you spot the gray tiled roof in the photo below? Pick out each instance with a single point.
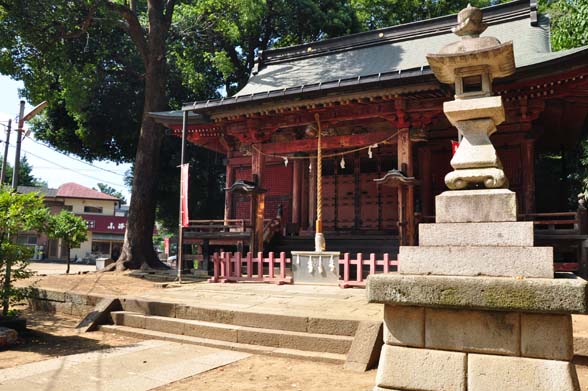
(382, 57)
(528, 41)
(45, 191)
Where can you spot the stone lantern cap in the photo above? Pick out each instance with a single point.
(472, 50)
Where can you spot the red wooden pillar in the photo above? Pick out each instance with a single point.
(312, 194)
(257, 200)
(304, 190)
(406, 194)
(230, 178)
(528, 152)
(296, 191)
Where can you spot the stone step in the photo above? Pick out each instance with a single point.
(333, 358)
(305, 341)
(345, 327)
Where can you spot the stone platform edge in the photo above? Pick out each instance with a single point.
(80, 304)
(564, 294)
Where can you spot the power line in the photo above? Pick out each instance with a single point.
(74, 158)
(100, 180)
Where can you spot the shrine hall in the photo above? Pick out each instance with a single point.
(386, 143)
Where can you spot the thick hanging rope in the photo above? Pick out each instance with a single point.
(319, 178)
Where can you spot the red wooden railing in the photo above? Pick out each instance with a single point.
(346, 282)
(233, 267)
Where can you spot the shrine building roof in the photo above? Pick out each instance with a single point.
(388, 57)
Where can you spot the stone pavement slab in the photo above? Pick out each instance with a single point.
(311, 301)
(142, 366)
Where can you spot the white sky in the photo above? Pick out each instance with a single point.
(53, 167)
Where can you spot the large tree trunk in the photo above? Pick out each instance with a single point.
(138, 251)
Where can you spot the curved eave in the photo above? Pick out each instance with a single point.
(174, 118)
(410, 77)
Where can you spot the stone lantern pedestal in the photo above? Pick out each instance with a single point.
(476, 306)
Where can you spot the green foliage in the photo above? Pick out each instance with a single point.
(228, 34)
(206, 184)
(18, 213)
(569, 23)
(92, 81)
(373, 14)
(68, 227)
(106, 189)
(25, 174)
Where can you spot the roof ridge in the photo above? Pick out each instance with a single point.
(440, 25)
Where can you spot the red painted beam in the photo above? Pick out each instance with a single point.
(329, 142)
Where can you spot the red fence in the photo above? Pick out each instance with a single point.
(386, 263)
(233, 267)
(230, 267)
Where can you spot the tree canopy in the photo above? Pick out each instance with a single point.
(106, 189)
(25, 176)
(569, 23)
(104, 64)
(68, 227)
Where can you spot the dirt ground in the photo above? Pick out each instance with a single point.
(269, 373)
(93, 282)
(54, 335)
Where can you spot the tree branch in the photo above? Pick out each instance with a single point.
(169, 11)
(83, 29)
(135, 29)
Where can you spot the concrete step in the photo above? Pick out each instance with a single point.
(254, 349)
(303, 341)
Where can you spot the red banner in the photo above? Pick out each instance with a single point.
(454, 146)
(166, 246)
(184, 194)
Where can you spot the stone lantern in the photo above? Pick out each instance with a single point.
(476, 306)
(472, 64)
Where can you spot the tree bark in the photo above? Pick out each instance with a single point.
(68, 257)
(138, 250)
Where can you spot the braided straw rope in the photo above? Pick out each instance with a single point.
(319, 178)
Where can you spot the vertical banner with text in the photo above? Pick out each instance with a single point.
(184, 194)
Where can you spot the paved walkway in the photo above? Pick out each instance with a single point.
(139, 367)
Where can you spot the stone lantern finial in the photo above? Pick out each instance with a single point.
(469, 23)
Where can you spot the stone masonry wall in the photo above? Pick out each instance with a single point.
(462, 349)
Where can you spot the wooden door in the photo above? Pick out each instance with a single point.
(329, 195)
(345, 194)
(369, 198)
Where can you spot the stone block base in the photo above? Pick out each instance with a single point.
(434, 370)
(491, 373)
(546, 336)
(476, 206)
(477, 234)
(433, 349)
(421, 369)
(531, 262)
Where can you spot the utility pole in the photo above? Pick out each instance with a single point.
(5, 159)
(19, 131)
